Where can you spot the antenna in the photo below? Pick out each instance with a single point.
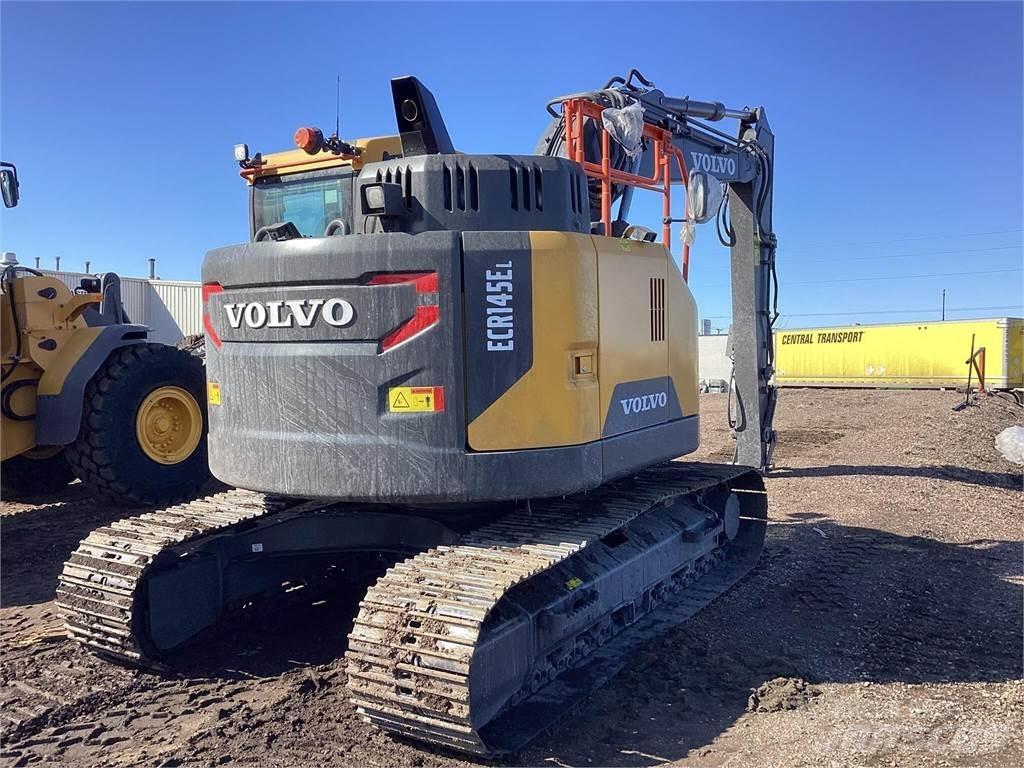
(337, 108)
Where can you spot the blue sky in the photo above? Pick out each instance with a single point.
(899, 126)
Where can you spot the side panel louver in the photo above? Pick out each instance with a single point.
(400, 176)
(461, 188)
(657, 309)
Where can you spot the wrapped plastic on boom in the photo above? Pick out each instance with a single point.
(626, 127)
(704, 196)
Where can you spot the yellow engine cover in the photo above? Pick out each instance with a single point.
(614, 346)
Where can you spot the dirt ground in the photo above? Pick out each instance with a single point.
(882, 626)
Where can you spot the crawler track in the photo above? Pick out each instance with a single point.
(476, 645)
(102, 579)
(429, 652)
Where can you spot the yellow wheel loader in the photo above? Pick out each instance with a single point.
(478, 366)
(84, 394)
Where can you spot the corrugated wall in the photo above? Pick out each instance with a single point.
(924, 355)
(134, 297)
(71, 279)
(171, 308)
(178, 304)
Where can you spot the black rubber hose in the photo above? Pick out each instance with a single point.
(8, 393)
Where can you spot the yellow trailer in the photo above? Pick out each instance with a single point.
(902, 355)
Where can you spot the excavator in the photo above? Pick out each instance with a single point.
(84, 393)
(478, 366)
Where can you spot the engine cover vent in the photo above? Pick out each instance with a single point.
(657, 309)
(480, 193)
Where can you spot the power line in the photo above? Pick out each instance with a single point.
(881, 277)
(929, 317)
(902, 277)
(906, 239)
(784, 261)
(884, 311)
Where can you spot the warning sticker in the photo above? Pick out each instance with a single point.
(416, 399)
(213, 393)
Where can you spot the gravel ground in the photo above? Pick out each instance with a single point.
(883, 626)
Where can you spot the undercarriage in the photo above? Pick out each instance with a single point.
(494, 621)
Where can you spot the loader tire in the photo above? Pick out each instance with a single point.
(37, 472)
(143, 435)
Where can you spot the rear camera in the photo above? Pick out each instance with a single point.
(409, 110)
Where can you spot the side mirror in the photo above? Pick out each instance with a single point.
(703, 196)
(9, 185)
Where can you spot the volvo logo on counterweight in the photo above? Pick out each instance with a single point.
(643, 403)
(290, 313)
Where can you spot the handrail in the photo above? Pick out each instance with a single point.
(575, 112)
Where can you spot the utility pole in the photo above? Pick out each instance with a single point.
(943, 303)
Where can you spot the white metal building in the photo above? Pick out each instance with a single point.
(171, 308)
(713, 358)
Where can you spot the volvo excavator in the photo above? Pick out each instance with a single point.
(478, 366)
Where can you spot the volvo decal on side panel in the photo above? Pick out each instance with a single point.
(497, 274)
(500, 317)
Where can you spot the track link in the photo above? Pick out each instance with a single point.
(98, 587)
(411, 651)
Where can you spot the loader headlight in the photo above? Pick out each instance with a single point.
(241, 152)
